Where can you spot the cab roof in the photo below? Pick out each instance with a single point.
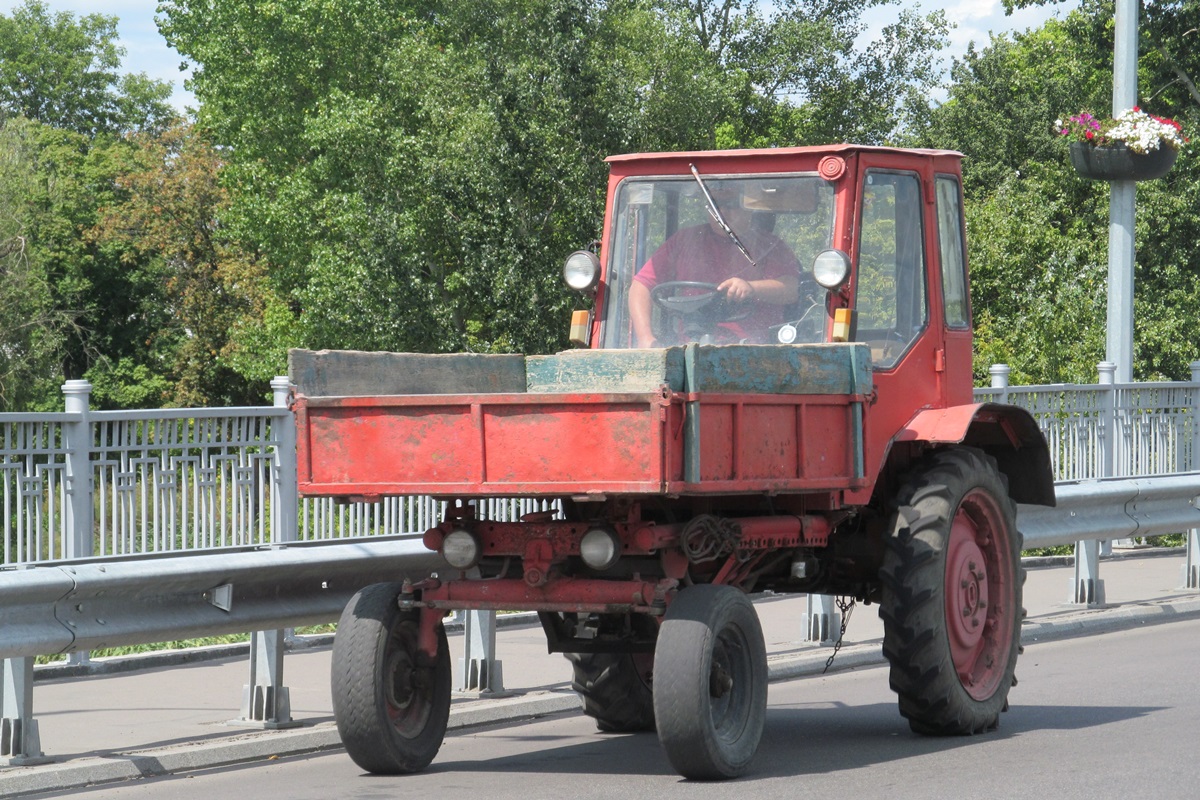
(779, 152)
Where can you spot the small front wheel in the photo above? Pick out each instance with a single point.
(710, 682)
(390, 702)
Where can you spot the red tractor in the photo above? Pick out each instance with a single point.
(773, 392)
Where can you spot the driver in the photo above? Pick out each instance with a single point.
(706, 253)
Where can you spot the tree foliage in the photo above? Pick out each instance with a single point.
(67, 303)
(1038, 232)
(167, 218)
(415, 172)
(393, 174)
(61, 70)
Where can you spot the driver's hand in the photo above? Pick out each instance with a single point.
(738, 289)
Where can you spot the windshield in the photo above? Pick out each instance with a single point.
(716, 260)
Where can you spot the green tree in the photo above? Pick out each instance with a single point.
(414, 173)
(61, 70)
(1038, 232)
(168, 217)
(33, 330)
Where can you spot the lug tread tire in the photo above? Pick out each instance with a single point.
(359, 691)
(612, 692)
(913, 608)
(695, 623)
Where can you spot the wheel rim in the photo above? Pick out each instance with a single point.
(979, 578)
(408, 688)
(728, 685)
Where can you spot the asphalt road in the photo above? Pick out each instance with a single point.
(1113, 715)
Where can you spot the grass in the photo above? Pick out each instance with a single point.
(183, 644)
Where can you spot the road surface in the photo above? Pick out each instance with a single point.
(1114, 715)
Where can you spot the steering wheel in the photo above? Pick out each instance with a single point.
(694, 299)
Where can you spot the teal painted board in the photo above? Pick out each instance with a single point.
(606, 371)
(353, 373)
(779, 368)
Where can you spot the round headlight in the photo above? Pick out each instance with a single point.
(831, 268)
(600, 548)
(460, 549)
(582, 271)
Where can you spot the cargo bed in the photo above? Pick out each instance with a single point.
(682, 420)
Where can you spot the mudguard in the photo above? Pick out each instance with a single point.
(1007, 433)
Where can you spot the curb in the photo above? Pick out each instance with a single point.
(261, 745)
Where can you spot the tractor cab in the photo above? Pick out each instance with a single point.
(783, 246)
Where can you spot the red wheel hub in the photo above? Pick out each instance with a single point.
(978, 580)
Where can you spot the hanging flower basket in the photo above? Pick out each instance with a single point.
(1133, 146)
(1117, 162)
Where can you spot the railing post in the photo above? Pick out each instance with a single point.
(1191, 566)
(1108, 420)
(20, 744)
(285, 516)
(77, 445)
(480, 670)
(266, 702)
(1107, 375)
(1087, 586)
(822, 622)
(79, 540)
(1000, 373)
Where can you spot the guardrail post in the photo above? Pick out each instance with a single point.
(1087, 588)
(822, 622)
(1191, 566)
(20, 744)
(480, 670)
(266, 701)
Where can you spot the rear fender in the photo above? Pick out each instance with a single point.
(1007, 433)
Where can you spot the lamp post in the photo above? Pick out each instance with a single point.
(1122, 200)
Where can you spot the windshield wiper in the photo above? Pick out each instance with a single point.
(716, 215)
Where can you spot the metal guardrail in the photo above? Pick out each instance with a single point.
(1113, 508)
(85, 605)
(81, 605)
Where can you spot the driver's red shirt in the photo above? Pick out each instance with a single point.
(702, 254)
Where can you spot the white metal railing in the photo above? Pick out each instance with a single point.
(1110, 429)
(32, 464)
(188, 480)
(178, 481)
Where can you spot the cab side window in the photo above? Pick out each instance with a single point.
(951, 247)
(891, 306)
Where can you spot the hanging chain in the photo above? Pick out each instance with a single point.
(846, 608)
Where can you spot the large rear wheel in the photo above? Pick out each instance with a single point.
(390, 700)
(951, 603)
(614, 689)
(710, 682)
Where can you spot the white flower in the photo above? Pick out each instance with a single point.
(1143, 133)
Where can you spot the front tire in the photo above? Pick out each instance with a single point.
(391, 704)
(710, 682)
(951, 601)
